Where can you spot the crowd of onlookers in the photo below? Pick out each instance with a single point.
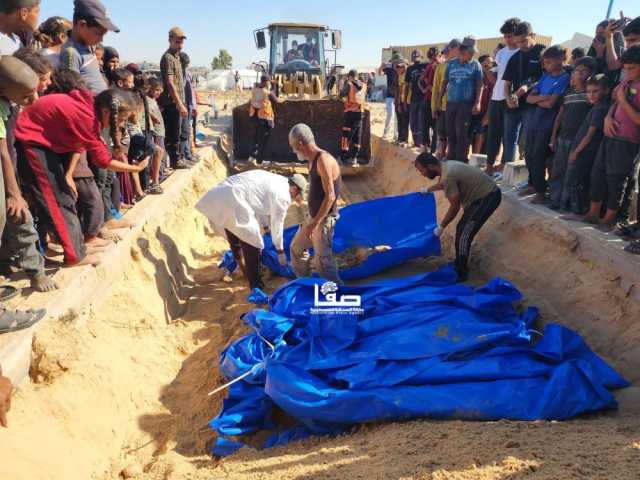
(574, 116)
(83, 137)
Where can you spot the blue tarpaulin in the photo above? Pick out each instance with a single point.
(404, 223)
(421, 346)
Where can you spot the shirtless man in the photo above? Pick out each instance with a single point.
(324, 189)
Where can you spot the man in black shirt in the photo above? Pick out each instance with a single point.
(390, 130)
(416, 106)
(523, 71)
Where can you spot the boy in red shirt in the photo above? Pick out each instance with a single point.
(48, 133)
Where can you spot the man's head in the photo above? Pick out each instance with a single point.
(297, 186)
(433, 53)
(18, 82)
(631, 32)
(428, 165)
(39, 64)
(20, 15)
(552, 59)
(185, 60)
(176, 39)
(416, 56)
(294, 45)
(265, 81)
(467, 49)
(302, 141)
(91, 22)
(453, 49)
(585, 68)
(576, 54)
(123, 78)
(597, 88)
(508, 31)
(631, 63)
(524, 36)
(487, 63)
(352, 75)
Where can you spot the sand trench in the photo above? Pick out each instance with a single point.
(125, 384)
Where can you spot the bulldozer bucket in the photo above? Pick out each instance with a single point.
(323, 116)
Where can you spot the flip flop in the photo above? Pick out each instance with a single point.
(7, 292)
(633, 247)
(14, 320)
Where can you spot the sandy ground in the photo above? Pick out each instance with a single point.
(122, 391)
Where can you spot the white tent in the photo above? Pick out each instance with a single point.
(225, 79)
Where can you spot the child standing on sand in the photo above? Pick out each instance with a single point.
(47, 132)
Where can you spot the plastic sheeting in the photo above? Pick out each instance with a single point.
(405, 223)
(422, 346)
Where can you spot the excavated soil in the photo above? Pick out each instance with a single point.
(121, 391)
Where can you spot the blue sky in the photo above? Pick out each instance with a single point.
(367, 26)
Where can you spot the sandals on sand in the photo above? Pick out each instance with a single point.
(14, 320)
(633, 247)
(7, 292)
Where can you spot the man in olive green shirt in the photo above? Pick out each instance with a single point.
(465, 187)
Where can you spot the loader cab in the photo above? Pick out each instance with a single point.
(295, 48)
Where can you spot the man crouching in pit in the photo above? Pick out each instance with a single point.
(324, 189)
(467, 187)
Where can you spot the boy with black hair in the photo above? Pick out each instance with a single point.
(439, 96)
(16, 17)
(426, 85)
(585, 145)
(545, 95)
(480, 121)
(263, 116)
(90, 24)
(576, 54)
(18, 84)
(522, 73)
(573, 110)
(498, 104)
(153, 93)
(463, 83)
(19, 239)
(619, 148)
(416, 98)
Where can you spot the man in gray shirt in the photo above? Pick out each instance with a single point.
(465, 187)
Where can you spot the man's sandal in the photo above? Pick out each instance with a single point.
(14, 320)
(7, 292)
(633, 247)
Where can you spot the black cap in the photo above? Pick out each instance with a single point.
(96, 10)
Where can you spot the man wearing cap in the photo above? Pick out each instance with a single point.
(416, 98)
(262, 114)
(439, 96)
(16, 16)
(91, 22)
(172, 99)
(354, 93)
(463, 83)
(235, 207)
